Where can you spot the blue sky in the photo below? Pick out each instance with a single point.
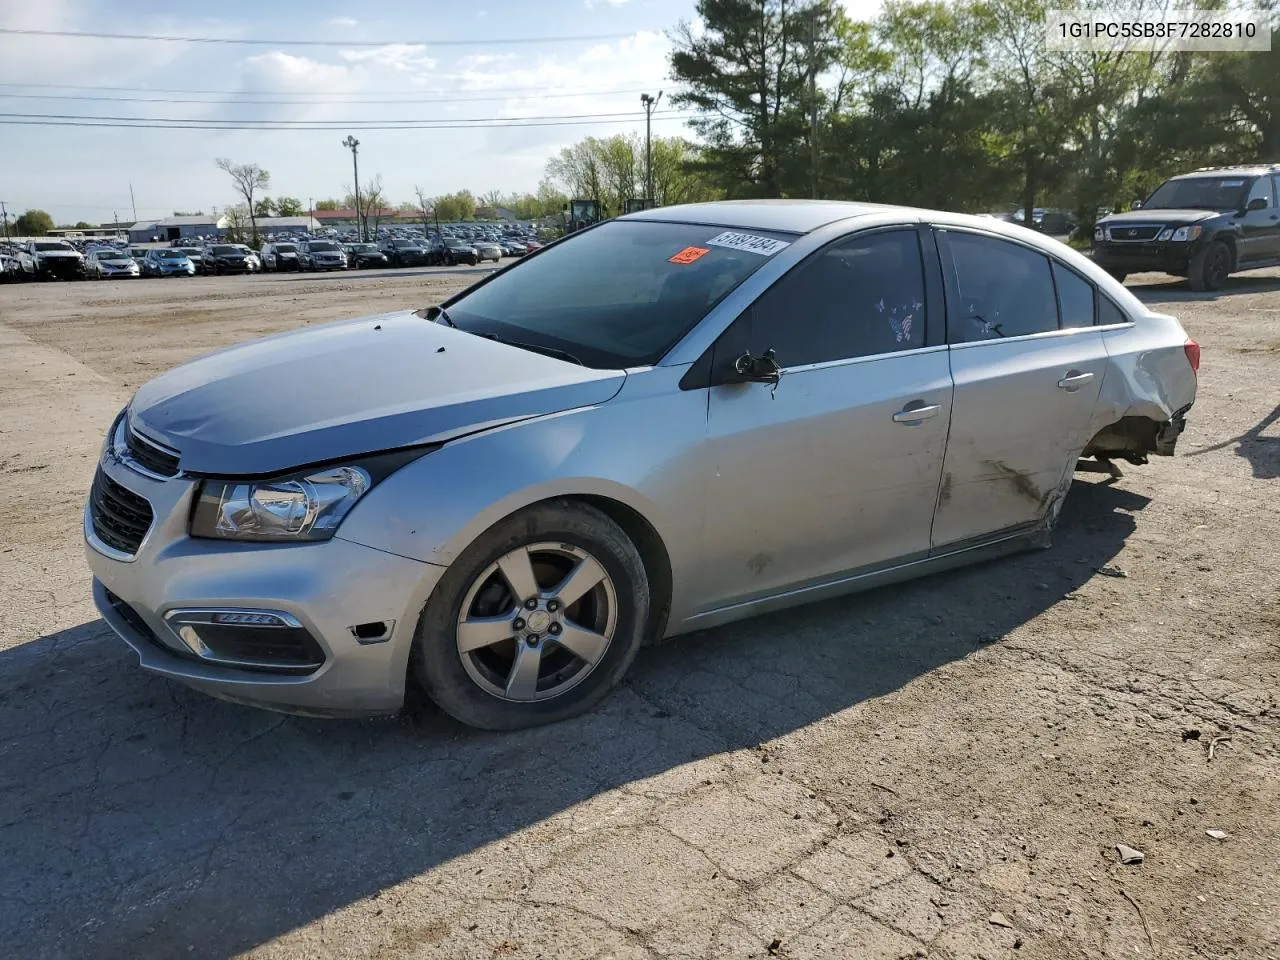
(78, 173)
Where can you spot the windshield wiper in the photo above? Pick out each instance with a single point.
(437, 312)
(536, 348)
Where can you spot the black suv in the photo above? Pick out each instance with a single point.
(1204, 226)
(404, 253)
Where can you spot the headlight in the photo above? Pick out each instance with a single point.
(1183, 234)
(1165, 234)
(1099, 233)
(308, 505)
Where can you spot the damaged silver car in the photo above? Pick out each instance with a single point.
(672, 420)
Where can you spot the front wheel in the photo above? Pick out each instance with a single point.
(1119, 275)
(1209, 269)
(536, 621)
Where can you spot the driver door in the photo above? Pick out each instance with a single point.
(834, 469)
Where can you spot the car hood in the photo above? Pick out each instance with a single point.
(1157, 216)
(354, 387)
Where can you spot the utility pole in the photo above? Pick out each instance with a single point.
(813, 101)
(649, 103)
(354, 145)
(134, 203)
(4, 215)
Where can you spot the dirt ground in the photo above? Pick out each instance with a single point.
(939, 769)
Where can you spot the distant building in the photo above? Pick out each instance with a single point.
(288, 224)
(177, 228)
(346, 219)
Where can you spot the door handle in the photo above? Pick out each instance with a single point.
(1074, 380)
(916, 412)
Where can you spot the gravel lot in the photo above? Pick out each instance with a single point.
(881, 776)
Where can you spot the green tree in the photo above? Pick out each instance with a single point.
(33, 223)
(84, 225)
(248, 178)
(289, 207)
(326, 205)
(264, 207)
(456, 206)
(751, 72)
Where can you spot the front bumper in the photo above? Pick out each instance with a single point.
(65, 268)
(1164, 257)
(328, 587)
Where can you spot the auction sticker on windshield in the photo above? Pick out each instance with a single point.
(689, 254)
(765, 246)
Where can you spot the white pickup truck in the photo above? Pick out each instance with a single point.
(56, 260)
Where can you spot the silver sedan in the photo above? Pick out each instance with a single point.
(669, 421)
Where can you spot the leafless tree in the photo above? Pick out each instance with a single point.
(372, 200)
(248, 178)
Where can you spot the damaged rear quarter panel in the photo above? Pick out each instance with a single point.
(1148, 372)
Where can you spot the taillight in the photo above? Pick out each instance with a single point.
(1193, 354)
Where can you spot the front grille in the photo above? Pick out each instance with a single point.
(1134, 234)
(148, 454)
(120, 517)
(285, 648)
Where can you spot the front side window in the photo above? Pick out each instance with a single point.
(856, 298)
(1261, 190)
(1005, 290)
(1075, 297)
(618, 295)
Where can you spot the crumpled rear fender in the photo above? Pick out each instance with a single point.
(1148, 373)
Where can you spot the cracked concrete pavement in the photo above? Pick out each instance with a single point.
(870, 777)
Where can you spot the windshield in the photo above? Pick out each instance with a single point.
(190, 250)
(286, 248)
(1200, 193)
(362, 248)
(172, 255)
(112, 255)
(53, 247)
(323, 245)
(224, 250)
(663, 278)
(404, 244)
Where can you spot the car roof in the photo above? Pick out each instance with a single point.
(789, 216)
(1243, 170)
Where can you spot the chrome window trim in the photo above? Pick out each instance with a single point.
(847, 361)
(1042, 335)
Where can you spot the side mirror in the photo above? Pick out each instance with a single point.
(762, 369)
(1257, 203)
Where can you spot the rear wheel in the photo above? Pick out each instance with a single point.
(534, 622)
(1118, 274)
(1210, 267)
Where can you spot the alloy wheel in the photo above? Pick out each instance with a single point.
(1219, 266)
(536, 622)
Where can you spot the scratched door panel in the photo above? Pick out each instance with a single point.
(1015, 432)
(817, 478)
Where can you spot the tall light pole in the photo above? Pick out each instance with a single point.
(354, 145)
(649, 103)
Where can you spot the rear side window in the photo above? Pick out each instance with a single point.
(857, 298)
(1109, 313)
(1005, 290)
(1075, 298)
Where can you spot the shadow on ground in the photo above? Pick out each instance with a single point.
(138, 818)
(1262, 452)
(1175, 289)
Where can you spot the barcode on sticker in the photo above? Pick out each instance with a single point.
(765, 246)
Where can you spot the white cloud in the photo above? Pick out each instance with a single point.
(398, 56)
(612, 3)
(345, 22)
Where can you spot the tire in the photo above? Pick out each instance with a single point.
(559, 534)
(1119, 275)
(1209, 269)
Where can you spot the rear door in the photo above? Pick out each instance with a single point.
(1028, 365)
(835, 468)
(1260, 229)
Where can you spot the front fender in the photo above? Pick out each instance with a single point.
(639, 449)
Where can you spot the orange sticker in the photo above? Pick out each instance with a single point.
(690, 254)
